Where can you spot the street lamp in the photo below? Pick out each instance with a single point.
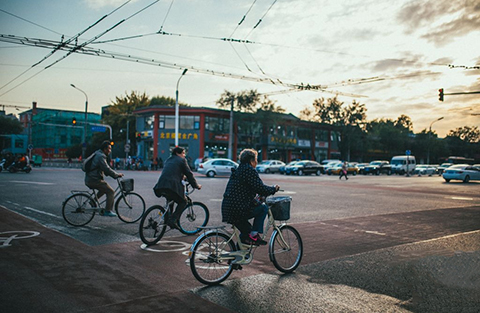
(84, 145)
(429, 136)
(176, 108)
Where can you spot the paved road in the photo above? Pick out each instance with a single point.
(419, 258)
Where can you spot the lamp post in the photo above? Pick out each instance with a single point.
(429, 136)
(176, 108)
(84, 145)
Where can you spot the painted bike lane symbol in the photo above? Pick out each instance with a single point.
(7, 236)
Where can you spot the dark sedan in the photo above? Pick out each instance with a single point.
(303, 168)
(377, 168)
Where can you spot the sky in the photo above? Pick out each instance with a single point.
(392, 56)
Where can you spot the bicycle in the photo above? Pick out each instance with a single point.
(153, 223)
(80, 208)
(216, 253)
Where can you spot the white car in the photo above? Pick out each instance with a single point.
(425, 169)
(269, 166)
(462, 172)
(217, 167)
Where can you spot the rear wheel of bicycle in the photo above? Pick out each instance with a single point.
(130, 208)
(152, 225)
(205, 260)
(77, 209)
(286, 259)
(194, 216)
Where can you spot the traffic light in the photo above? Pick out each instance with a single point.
(74, 121)
(440, 94)
(112, 143)
(139, 136)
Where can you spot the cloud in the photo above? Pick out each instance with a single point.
(441, 21)
(98, 4)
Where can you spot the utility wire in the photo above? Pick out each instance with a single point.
(23, 19)
(168, 12)
(243, 18)
(261, 19)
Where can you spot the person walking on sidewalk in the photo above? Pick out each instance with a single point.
(94, 177)
(170, 183)
(344, 171)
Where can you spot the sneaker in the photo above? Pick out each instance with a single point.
(258, 241)
(108, 213)
(173, 223)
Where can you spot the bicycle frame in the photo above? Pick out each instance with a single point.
(244, 255)
(100, 204)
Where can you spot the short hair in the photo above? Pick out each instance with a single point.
(177, 150)
(247, 155)
(105, 144)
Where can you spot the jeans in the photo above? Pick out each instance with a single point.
(259, 213)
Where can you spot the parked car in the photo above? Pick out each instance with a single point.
(442, 167)
(281, 169)
(361, 167)
(217, 167)
(304, 167)
(400, 164)
(335, 170)
(462, 172)
(425, 169)
(329, 165)
(269, 166)
(377, 168)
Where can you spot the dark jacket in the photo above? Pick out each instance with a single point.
(239, 197)
(99, 168)
(174, 169)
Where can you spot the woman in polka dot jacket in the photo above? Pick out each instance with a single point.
(239, 203)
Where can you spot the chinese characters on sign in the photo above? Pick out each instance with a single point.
(184, 136)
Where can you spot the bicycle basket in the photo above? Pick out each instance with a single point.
(280, 207)
(127, 184)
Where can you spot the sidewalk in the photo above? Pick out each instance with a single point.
(54, 273)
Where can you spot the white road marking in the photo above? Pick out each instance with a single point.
(462, 198)
(31, 182)
(42, 212)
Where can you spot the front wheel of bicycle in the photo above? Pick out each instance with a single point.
(77, 209)
(130, 208)
(205, 259)
(194, 216)
(152, 225)
(286, 253)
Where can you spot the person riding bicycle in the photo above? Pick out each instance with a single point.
(239, 200)
(94, 178)
(170, 183)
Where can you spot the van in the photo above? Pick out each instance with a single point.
(399, 164)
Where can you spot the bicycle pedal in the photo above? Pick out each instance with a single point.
(237, 267)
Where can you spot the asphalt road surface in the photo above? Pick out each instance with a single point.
(358, 235)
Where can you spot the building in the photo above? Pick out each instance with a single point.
(204, 132)
(51, 132)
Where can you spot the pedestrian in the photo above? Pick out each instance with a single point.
(94, 177)
(170, 183)
(344, 171)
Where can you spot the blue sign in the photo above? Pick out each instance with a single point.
(98, 129)
(408, 152)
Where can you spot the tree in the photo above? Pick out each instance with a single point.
(165, 101)
(119, 112)
(260, 108)
(10, 126)
(467, 134)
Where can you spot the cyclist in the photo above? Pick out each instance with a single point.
(94, 177)
(239, 200)
(170, 183)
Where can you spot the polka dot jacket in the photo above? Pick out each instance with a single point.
(239, 197)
